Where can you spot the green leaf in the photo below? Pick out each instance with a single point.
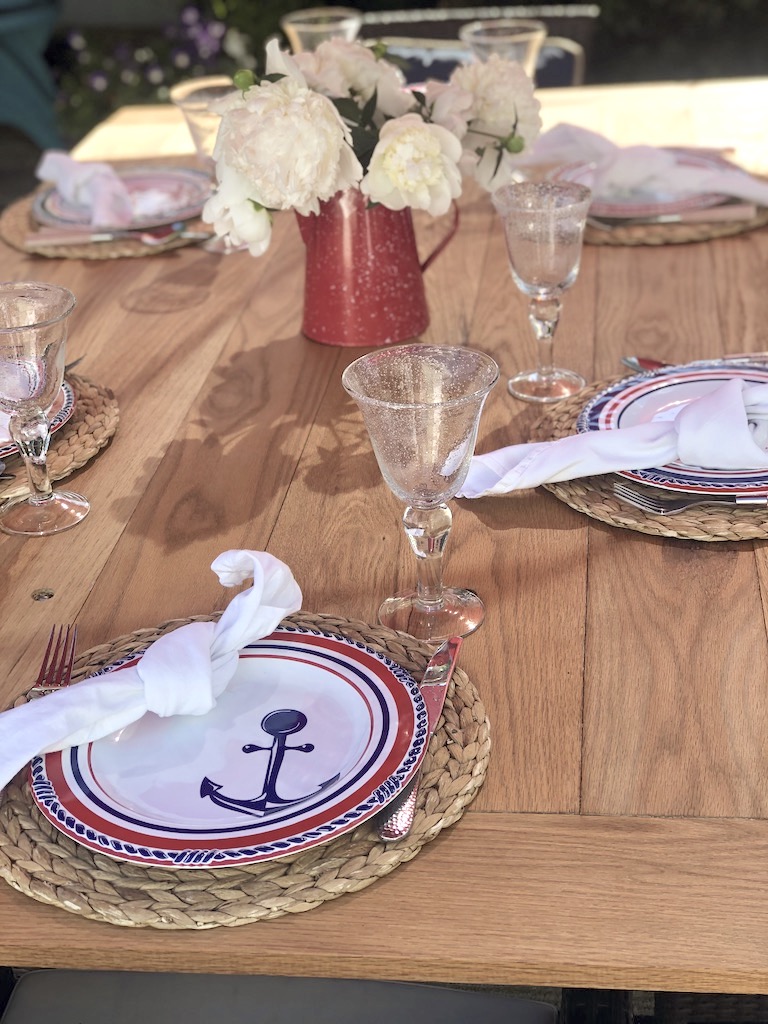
(366, 115)
(348, 109)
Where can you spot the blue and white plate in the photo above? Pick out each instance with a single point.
(61, 411)
(660, 396)
(313, 736)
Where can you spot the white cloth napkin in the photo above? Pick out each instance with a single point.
(617, 172)
(182, 673)
(95, 186)
(725, 429)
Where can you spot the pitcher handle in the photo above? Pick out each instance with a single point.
(445, 240)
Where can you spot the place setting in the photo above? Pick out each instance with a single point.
(224, 769)
(645, 195)
(92, 210)
(679, 451)
(52, 420)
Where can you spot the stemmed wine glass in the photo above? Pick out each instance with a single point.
(33, 334)
(544, 230)
(307, 28)
(421, 405)
(196, 98)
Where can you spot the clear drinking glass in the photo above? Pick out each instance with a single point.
(194, 99)
(517, 39)
(307, 28)
(33, 334)
(421, 405)
(544, 230)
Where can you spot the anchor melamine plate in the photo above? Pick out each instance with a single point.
(313, 735)
(660, 396)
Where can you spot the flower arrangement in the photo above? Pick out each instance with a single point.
(340, 117)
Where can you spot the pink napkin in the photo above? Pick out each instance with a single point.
(725, 429)
(95, 186)
(616, 172)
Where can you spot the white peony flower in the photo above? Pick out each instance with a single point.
(235, 216)
(289, 144)
(414, 164)
(281, 63)
(503, 99)
(340, 68)
(503, 120)
(449, 105)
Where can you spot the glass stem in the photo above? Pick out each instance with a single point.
(427, 531)
(544, 314)
(32, 437)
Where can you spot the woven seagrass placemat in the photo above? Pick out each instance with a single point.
(41, 862)
(89, 428)
(17, 225)
(674, 233)
(594, 495)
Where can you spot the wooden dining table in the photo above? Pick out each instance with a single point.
(621, 837)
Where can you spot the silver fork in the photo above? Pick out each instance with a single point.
(672, 506)
(56, 669)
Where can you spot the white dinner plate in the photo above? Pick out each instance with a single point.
(61, 411)
(644, 203)
(173, 193)
(313, 736)
(660, 396)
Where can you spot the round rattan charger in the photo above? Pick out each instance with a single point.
(17, 228)
(594, 495)
(672, 233)
(85, 433)
(38, 860)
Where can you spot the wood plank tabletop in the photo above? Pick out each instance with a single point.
(621, 837)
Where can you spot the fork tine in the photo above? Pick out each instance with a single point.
(47, 659)
(64, 667)
(58, 660)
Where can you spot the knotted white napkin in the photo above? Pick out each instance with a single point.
(725, 429)
(182, 673)
(95, 186)
(617, 171)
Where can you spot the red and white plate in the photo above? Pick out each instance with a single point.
(61, 411)
(313, 736)
(659, 396)
(173, 193)
(642, 203)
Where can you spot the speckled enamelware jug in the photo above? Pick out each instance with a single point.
(363, 283)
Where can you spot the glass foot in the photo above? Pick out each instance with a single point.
(35, 517)
(458, 614)
(533, 386)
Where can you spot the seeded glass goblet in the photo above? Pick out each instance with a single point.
(307, 28)
(421, 405)
(544, 230)
(33, 334)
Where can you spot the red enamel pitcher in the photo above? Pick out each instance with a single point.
(363, 283)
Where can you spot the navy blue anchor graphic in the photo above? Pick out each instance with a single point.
(280, 725)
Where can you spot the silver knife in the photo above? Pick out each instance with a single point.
(397, 817)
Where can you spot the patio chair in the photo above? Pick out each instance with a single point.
(124, 997)
(25, 78)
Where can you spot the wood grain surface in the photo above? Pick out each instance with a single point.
(621, 838)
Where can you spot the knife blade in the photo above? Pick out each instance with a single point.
(397, 817)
